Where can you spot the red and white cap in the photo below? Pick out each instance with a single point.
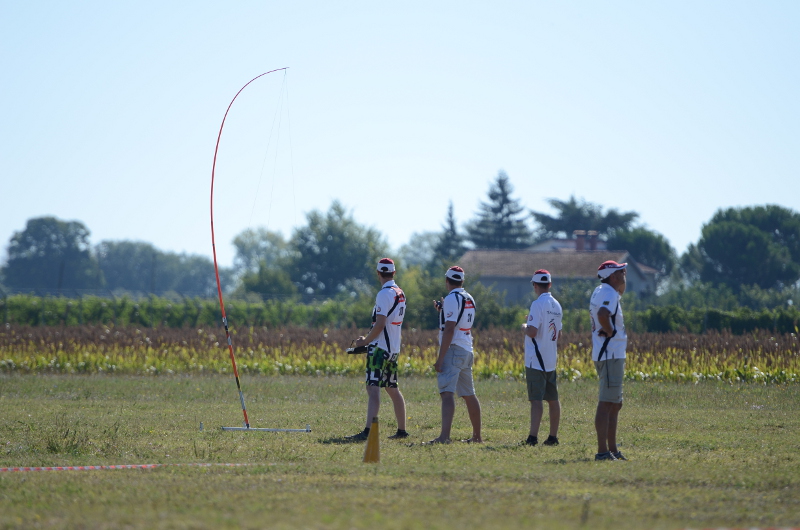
(607, 268)
(455, 273)
(385, 265)
(541, 276)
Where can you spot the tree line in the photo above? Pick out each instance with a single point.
(745, 257)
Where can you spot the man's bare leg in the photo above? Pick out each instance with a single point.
(474, 410)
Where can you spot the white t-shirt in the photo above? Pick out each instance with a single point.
(390, 296)
(458, 302)
(545, 315)
(606, 296)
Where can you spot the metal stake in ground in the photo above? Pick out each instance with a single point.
(219, 285)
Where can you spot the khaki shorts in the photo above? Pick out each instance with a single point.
(541, 385)
(456, 374)
(610, 373)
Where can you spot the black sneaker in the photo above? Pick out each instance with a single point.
(532, 440)
(551, 440)
(608, 455)
(618, 455)
(360, 437)
(399, 435)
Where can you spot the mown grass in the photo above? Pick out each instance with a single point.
(701, 455)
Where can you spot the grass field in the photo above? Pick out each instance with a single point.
(701, 455)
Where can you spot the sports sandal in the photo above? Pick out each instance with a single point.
(436, 441)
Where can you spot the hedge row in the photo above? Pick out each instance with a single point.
(162, 312)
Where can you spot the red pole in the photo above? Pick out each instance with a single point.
(214, 250)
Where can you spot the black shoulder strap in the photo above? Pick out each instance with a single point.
(397, 293)
(396, 302)
(604, 348)
(463, 305)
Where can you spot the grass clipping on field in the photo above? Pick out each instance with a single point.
(758, 357)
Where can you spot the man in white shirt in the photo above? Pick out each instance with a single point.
(609, 341)
(454, 362)
(542, 331)
(383, 348)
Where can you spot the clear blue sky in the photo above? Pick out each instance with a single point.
(110, 112)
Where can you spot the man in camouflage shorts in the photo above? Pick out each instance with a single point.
(383, 348)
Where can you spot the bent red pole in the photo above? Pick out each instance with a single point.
(214, 251)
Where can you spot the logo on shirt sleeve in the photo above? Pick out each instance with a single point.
(449, 314)
(378, 309)
(530, 317)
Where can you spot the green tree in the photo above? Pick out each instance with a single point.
(647, 247)
(758, 245)
(269, 282)
(577, 214)
(52, 254)
(451, 245)
(189, 274)
(128, 265)
(138, 266)
(257, 247)
(700, 295)
(262, 263)
(499, 224)
(420, 249)
(334, 254)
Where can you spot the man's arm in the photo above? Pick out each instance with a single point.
(531, 331)
(447, 338)
(604, 319)
(380, 323)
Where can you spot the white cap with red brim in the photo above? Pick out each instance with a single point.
(455, 273)
(607, 268)
(541, 276)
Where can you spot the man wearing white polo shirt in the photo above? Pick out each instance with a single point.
(454, 362)
(609, 341)
(542, 331)
(383, 348)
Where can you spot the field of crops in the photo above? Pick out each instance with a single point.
(756, 357)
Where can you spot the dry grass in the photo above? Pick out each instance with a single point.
(760, 357)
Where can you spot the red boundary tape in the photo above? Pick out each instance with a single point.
(121, 466)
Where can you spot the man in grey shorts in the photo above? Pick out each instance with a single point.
(609, 341)
(454, 363)
(542, 331)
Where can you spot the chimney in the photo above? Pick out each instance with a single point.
(580, 239)
(592, 234)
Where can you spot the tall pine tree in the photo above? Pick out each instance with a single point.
(451, 242)
(499, 224)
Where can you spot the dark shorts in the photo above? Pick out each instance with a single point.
(541, 385)
(610, 373)
(381, 368)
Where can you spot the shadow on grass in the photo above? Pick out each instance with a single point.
(339, 440)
